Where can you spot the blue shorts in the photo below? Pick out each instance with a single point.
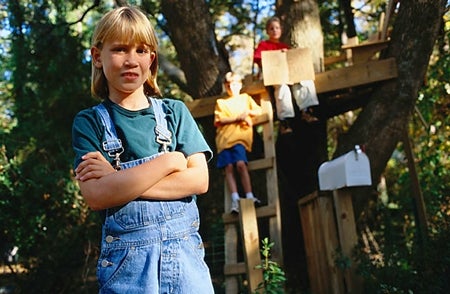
(232, 155)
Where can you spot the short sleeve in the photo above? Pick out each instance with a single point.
(86, 134)
(189, 138)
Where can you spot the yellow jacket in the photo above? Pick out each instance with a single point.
(239, 132)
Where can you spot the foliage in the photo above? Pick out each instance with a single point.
(42, 210)
(329, 13)
(273, 274)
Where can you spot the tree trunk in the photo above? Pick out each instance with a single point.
(302, 28)
(203, 60)
(300, 153)
(382, 122)
(346, 7)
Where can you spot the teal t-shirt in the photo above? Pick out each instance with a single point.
(136, 130)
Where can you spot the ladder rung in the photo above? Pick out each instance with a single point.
(234, 269)
(261, 119)
(263, 211)
(263, 163)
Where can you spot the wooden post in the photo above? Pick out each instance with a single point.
(319, 230)
(250, 240)
(272, 180)
(231, 239)
(420, 209)
(347, 236)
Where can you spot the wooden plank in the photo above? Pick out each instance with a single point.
(272, 180)
(308, 198)
(347, 77)
(362, 53)
(261, 212)
(231, 241)
(264, 163)
(334, 279)
(202, 107)
(419, 201)
(309, 225)
(329, 60)
(250, 240)
(356, 75)
(231, 269)
(319, 230)
(348, 238)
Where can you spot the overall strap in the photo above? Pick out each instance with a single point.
(163, 135)
(112, 145)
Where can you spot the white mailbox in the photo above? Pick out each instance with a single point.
(348, 170)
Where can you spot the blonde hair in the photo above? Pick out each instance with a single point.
(127, 24)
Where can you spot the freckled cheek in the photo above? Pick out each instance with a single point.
(146, 67)
(148, 62)
(112, 64)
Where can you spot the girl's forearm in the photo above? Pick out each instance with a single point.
(192, 181)
(120, 187)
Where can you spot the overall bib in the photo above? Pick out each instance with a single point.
(150, 246)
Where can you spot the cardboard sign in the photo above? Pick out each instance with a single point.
(287, 67)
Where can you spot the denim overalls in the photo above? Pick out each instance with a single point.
(150, 246)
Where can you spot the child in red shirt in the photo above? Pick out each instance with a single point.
(280, 94)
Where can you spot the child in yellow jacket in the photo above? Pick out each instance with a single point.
(234, 136)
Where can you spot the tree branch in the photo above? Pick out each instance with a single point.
(96, 3)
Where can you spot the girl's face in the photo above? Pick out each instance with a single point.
(274, 31)
(126, 66)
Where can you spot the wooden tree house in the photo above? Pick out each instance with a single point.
(317, 212)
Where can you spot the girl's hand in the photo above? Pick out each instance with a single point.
(93, 166)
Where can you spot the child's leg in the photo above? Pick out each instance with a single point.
(245, 176)
(232, 187)
(245, 180)
(229, 177)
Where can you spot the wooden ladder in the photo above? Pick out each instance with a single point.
(247, 216)
(247, 220)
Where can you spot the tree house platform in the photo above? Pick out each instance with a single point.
(332, 80)
(342, 78)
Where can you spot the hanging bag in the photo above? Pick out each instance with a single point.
(305, 94)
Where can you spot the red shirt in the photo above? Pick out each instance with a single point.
(267, 45)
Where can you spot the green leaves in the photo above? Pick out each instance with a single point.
(273, 274)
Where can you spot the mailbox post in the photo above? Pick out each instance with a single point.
(349, 170)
